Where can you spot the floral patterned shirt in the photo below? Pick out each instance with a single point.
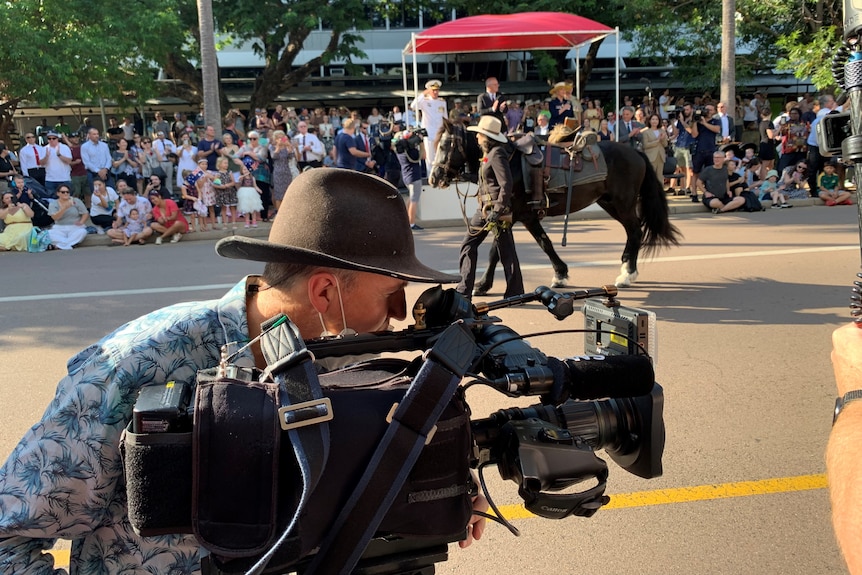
(64, 480)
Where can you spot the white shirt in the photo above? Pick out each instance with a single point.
(27, 157)
(96, 208)
(315, 154)
(141, 204)
(164, 147)
(433, 112)
(56, 170)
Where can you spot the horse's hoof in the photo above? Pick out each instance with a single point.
(559, 282)
(481, 291)
(626, 279)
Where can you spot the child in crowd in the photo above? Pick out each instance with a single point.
(132, 228)
(248, 197)
(225, 188)
(827, 187)
(735, 180)
(770, 187)
(753, 174)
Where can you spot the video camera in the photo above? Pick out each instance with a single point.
(411, 142)
(587, 403)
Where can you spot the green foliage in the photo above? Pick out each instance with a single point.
(810, 57)
(80, 50)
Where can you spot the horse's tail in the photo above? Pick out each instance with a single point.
(657, 230)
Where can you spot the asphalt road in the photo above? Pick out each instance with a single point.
(745, 308)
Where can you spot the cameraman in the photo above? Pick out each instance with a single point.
(409, 154)
(65, 477)
(684, 145)
(704, 128)
(844, 452)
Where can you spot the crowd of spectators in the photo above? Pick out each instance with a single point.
(200, 180)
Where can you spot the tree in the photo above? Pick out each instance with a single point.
(72, 50)
(277, 31)
(209, 65)
(809, 48)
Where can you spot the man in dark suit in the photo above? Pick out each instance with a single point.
(630, 129)
(491, 101)
(364, 144)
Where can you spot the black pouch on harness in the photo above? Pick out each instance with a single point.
(435, 502)
(236, 450)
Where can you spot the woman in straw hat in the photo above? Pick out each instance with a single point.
(562, 106)
(496, 186)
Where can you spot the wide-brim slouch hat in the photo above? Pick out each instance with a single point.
(343, 219)
(491, 126)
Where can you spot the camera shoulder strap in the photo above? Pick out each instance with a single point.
(303, 414)
(412, 423)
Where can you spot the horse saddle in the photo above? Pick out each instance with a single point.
(580, 161)
(530, 149)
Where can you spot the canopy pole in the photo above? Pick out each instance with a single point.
(404, 78)
(578, 77)
(617, 86)
(415, 81)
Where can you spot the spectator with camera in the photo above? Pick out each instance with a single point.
(409, 156)
(312, 275)
(684, 145)
(704, 129)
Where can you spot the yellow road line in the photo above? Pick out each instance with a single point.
(656, 497)
(697, 493)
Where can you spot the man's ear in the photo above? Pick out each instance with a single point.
(322, 290)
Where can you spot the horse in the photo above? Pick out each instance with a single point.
(631, 194)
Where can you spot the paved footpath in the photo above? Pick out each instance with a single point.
(676, 204)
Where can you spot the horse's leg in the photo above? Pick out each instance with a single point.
(631, 223)
(486, 282)
(561, 270)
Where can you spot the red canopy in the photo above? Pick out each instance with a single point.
(508, 33)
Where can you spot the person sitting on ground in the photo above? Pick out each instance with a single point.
(735, 180)
(130, 200)
(70, 218)
(102, 204)
(168, 219)
(713, 181)
(132, 228)
(829, 189)
(17, 217)
(793, 180)
(311, 274)
(770, 188)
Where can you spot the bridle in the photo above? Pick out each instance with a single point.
(457, 136)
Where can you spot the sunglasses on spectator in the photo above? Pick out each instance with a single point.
(252, 138)
(52, 137)
(62, 191)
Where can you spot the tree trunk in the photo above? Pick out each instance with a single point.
(587, 65)
(728, 55)
(7, 117)
(209, 66)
